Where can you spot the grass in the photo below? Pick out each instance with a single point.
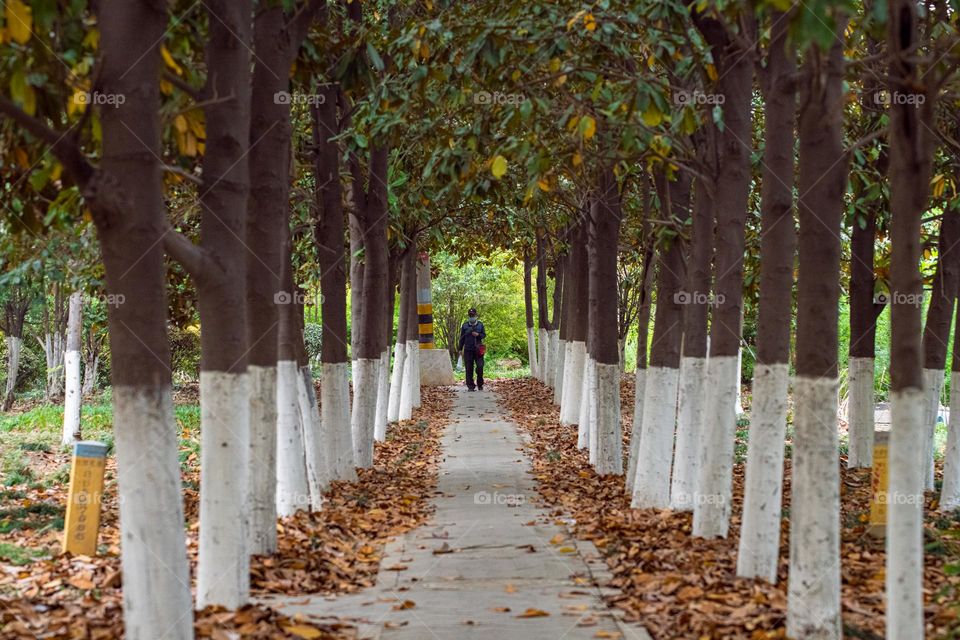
(18, 556)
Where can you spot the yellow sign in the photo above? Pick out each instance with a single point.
(878, 485)
(82, 522)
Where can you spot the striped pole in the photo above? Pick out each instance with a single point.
(425, 303)
(82, 521)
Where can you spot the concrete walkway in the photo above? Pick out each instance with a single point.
(489, 564)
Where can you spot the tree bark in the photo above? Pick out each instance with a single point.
(560, 300)
(575, 357)
(543, 319)
(411, 369)
(759, 549)
(528, 308)
(813, 601)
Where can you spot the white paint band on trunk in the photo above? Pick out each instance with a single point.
(293, 493)
(396, 380)
(411, 368)
(413, 352)
(860, 412)
(364, 409)
(572, 383)
(223, 569)
(532, 353)
(651, 489)
(609, 442)
(714, 493)
(335, 419)
(315, 449)
(759, 550)
(383, 398)
(559, 371)
(583, 420)
(542, 355)
(905, 471)
(553, 340)
(813, 590)
(686, 454)
(636, 429)
(950, 492)
(14, 347)
(262, 460)
(71, 399)
(156, 575)
(932, 386)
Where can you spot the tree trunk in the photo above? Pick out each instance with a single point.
(407, 262)
(543, 319)
(563, 335)
(605, 227)
(126, 196)
(71, 359)
(863, 329)
(14, 347)
(315, 441)
(813, 600)
(693, 363)
(585, 425)
(91, 362)
(555, 355)
(329, 240)
(936, 332)
(652, 483)
(759, 547)
(640, 372)
(411, 369)
(575, 357)
(371, 208)
(950, 489)
(911, 158)
(383, 388)
(528, 308)
(711, 516)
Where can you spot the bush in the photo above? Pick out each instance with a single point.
(312, 338)
(32, 374)
(185, 352)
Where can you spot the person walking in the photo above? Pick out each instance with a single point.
(471, 345)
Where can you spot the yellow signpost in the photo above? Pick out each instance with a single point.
(878, 485)
(82, 522)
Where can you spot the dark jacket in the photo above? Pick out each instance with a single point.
(468, 341)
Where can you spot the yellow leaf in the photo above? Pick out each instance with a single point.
(712, 73)
(574, 19)
(589, 22)
(304, 631)
(22, 93)
(544, 185)
(577, 159)
(19, 21)
(498, 167)
(533, 613)
(170, 62)
(554, 65)
(588, 127)
(652, 116)
(78, 102)
(165, 87)
(180, 123)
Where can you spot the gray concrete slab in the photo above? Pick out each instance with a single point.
(489, 564)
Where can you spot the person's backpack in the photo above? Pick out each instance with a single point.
(481, 349)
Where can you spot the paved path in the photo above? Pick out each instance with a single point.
(486, 557)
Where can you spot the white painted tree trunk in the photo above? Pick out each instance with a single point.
(383, 398)
(542, 354)
(156, 575)
(904, 571)
(407, 391)
(53, 349)
(551, 374)
(335, 419)
(636, 430)
(90, 375)
(365, 387)
(413, 349)
(950, 492)
(932, 385)
(71, 398)
(583, 420)
(813, 598)
(651, 489)
(714, 494)
(314, 438)
(572, 382)
(860, 408)
(686, 455)
(759, 549)
(262, 470)
(71, 363)
(560, 363)
(223, 567)
(293, 493)
(609, 443)
(14, 347)
(532, 353)
(396, 380)
(739, 405)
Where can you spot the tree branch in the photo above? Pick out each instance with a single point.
(190, 256)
